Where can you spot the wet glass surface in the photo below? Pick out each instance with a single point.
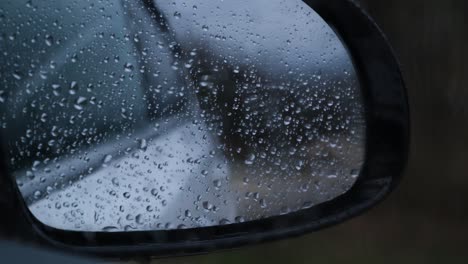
(116, 117)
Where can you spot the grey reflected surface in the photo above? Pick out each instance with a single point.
(211, 114)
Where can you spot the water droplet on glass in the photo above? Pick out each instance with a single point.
(17, 75)
(115, 180)
(239, 219)
(2, 96)
(128, 67)
(109, 228)
(187, 213)
(143, 144)
(49, 40)
(139, 219)
(37, 194)
(250, 159)
(106, 159)
(43, 117)
(207, 206)
(30, 175)
(217, 183)
(73, 87)
(355, 173)
(224, 221)
(56, 89)
(51, 143)
(79, 103)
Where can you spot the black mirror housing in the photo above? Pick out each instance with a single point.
(387, 147)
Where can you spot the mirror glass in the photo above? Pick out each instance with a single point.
(138, 115)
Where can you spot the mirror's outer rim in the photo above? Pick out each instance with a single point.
(387, 147)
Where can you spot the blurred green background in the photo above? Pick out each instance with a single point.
(425, 220)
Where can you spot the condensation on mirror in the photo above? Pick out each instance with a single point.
(118, 116)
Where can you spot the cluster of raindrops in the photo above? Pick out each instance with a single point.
(120, 117)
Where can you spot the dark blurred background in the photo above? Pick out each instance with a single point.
(425, 219)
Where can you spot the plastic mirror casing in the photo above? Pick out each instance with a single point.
(387, 144)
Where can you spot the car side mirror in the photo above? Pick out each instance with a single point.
(147, 128)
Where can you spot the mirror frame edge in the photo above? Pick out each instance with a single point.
(387, 117)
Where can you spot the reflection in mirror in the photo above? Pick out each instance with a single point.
(131, 115)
